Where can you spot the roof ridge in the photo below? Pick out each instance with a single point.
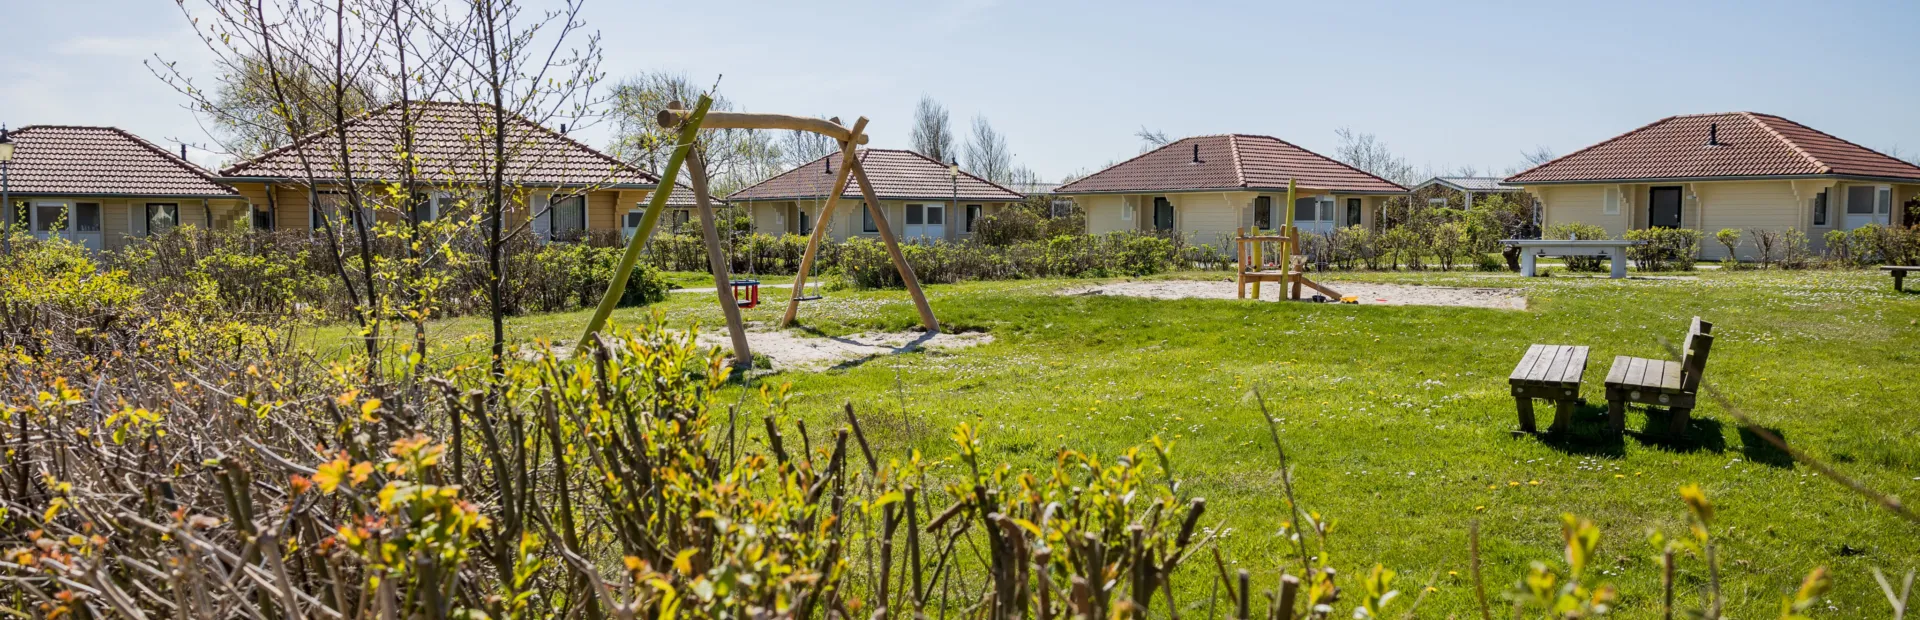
(1335, 161)
(1233, 150)
(1133, 159)
(1794, 146)
(1843, 140)
(1593, 146)
(973, 176)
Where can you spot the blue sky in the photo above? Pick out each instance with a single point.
(1444, 84)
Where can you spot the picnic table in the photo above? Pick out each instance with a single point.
(1615, 250)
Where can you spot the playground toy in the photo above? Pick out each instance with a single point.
(746, 293)
(1290, 272)
(689, 123)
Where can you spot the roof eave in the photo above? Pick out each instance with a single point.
(536, 184)
(1758, 177)
(33, 194)
(882, 197)
(1210, 190)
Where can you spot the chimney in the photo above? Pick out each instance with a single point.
(183, 150)
(1713, 134)
(829, 161)
(563, 129)
(1196, 152)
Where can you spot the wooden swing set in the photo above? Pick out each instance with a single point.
(1290, 268)
(734, 295)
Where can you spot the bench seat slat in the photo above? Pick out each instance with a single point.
(1525, 367)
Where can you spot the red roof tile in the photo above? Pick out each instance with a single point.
(896, 175)
(1233, 161)
(69, 160)
(449, 140)
(1748, 145)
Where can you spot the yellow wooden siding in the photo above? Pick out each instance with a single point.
(1768, 205)
(1581, 203)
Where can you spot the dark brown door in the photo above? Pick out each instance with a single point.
(1663, 207)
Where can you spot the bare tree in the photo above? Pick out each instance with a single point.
(932, 132)
(987, 154)
(1369, 153)
(1539, 155)
(799, 147)
(1151, 139)
(734, 157)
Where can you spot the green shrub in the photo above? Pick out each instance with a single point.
(1578, 231)
(1729, 238)
(1664, 249)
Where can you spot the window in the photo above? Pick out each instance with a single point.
(973, 215)
(49, 217)
(262, 218)
(569, 217)
(1126, 210)
(1263, 213)
(1162, 213)
(1353, 211)
(332, 205)
(424, 206)
(866, 220)
(681, 217)
(86, 217)
(1868, 205)
(1820, 208)
(162, 217)
(1612, 205)
(806, 223)
(1306, 209)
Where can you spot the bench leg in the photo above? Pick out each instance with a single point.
(1617, 416)
(1677, 421)
(1618, 262)
(1898, 277)
(1526, 264)
(1525, 404)
(1562, 415)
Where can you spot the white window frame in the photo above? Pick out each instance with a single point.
(867, 224)
(341, 208)
(1126, 209)
(33, 215)
(970, 216)
(1610, 202)
(145, 215)
(553, 205)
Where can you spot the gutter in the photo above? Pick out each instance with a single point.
(30, 195)
(1270, 190)
(646, 186)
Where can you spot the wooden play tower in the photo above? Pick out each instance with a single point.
(1289, 267)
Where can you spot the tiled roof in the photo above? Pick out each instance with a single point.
(451, 145)
(1233, 161)
(895, 175)
(61, 159)
(1748, 145)
(1472, 184)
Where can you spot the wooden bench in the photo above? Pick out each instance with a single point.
(1899, 275)
(1660, 382)
(1550, 372)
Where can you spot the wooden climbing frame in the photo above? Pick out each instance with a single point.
(1289, 265)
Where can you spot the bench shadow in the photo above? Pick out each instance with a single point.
(1702, 435)
(1759, 450)
(1588, 434)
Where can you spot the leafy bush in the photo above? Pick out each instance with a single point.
(1729, 238)
(1664, 249)
(1009, 226)
(1578, 231)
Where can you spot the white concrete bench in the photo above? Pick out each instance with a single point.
(1615, 250)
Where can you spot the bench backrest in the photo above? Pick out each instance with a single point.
(1699, 343)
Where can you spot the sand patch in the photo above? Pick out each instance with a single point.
(790, 350)
(1367, 292)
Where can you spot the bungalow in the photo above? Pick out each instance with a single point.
(1459, 192)
(1208, 187)
(98, 186)
(573, 189)
(923, 199)
(1738, 170)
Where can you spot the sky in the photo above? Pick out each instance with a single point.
(1445, 85)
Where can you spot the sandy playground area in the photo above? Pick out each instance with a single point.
(1368, 293)
(790, 350)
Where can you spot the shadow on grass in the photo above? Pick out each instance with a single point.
(1702, 434)
(1758, 450)
(1589, 435)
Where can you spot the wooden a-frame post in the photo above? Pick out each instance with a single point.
(717, 262)
(822, 219)
(673, 117)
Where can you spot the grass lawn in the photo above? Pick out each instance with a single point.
(1398, 418)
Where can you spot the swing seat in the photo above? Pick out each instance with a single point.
(746, 293)
(808, 298)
